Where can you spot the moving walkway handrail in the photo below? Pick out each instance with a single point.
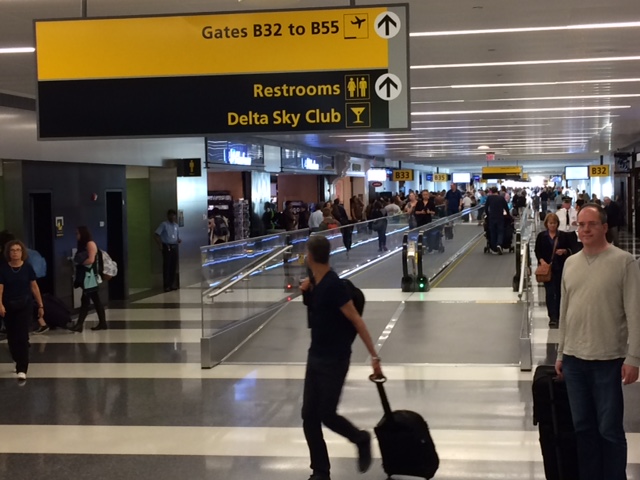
(239, 275)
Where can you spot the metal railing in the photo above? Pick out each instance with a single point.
(522, 284)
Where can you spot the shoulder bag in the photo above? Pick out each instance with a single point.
(543, 272)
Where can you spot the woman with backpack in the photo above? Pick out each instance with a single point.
(88, 279)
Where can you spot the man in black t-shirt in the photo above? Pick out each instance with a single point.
(453, 199)
(334, 323)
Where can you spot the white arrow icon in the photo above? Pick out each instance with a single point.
(388, 86)
(388, 25)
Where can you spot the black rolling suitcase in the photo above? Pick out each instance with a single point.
(552, 414)
(405, 442)
(56, 313)
(448, 232)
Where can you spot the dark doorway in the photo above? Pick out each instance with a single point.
(115, 243)
(41, 235)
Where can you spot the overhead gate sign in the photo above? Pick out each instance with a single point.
(279, 71)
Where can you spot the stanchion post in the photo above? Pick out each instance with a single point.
(422, 282)
(407, 283)
(516, 277)
(286, 257)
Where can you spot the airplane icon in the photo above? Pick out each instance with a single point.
(358, 21)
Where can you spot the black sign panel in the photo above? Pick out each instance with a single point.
(201, 105)
(189, 167)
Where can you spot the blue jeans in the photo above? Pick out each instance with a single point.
(496, 233)
(597, 407)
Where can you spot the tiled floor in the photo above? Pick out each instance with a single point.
(132, 402)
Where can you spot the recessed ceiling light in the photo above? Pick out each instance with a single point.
(484, 147)
(17, 50)
(528, 62)
(522, 110)
(592, 26)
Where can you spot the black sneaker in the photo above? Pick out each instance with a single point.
(364, 452)
(41, 330)
(318, 476)
(499, 250)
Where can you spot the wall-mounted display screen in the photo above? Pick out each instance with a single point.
(377, 175)
(299, 160)
(461, 178)
(236, 154)
(576, 173)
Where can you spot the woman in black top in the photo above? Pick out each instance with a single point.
(86, 261)
(379, 224)
(18, 288)
(544, 253)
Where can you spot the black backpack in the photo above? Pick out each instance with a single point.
(220, 228)
(356, 295)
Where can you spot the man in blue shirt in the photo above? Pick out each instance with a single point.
(167, 237)
(453, 198)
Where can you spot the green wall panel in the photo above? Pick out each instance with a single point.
(2, 204)
(139, 228)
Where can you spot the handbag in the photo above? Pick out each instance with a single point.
(543, 272)
(90, 279)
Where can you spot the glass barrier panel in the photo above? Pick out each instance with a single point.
(443, 239)
(354, 245)
(248, 297)
(220, 261)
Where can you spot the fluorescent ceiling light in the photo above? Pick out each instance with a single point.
(534, 99)
(522, 110)
(530, 84)
(591, 26)
(18, 50)
(566, 97)
(514, 119)
(478, 133)
(528, 62)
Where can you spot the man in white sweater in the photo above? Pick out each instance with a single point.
(599, 346)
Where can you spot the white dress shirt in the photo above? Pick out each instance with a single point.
(562, 216)
(315, 219)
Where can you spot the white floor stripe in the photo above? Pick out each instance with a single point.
(183, 335)
(468, 295)
(467, 445)
(466, 373)
(152, 314)
(542, 335)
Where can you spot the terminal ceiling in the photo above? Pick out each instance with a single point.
(544, 97)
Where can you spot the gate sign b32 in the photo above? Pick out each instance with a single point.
(334, 69)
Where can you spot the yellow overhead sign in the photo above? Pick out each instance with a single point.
(599, 171)
(403, 175)
(440, 177)
(238, 43)
(501, 170)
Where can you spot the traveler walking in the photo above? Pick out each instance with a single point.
(496, 208)
(552, 248)
(18, 289)
(334, 323)
(599, 345)
(453, 200)
(379, 224)
(614, 220)
(87, 278)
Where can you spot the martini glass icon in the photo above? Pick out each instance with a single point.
(358, 111)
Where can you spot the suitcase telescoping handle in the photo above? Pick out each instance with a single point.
(379, 381)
